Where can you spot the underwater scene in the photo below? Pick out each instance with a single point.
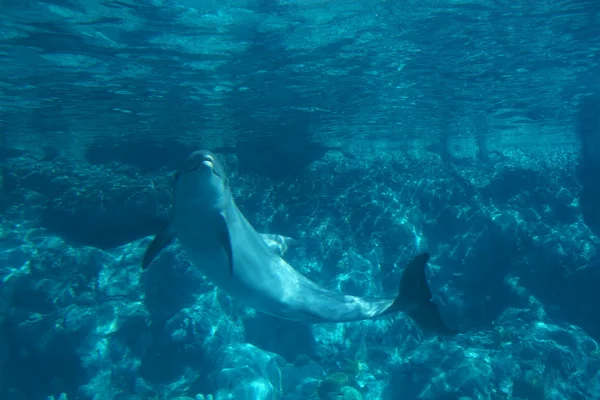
(299, 200)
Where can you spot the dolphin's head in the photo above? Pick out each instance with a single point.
(201, 180)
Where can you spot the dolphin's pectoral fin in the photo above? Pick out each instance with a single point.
(160, 241)
(279, 243)
(415, 298)
(226, 240)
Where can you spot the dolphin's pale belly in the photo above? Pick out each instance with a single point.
(253, 279)
(263, 280)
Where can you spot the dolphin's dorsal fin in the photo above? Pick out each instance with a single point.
(225, 240)
(160, 241)
(278, 243)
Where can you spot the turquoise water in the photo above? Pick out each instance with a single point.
(367, 131)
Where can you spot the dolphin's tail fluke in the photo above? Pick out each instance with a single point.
(414, 298)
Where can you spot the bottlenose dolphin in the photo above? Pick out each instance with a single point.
(247, 265)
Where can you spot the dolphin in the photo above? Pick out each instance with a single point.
(247, 265)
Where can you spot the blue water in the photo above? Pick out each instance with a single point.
(369, 131)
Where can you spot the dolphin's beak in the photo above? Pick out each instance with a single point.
(204, 160)
(209, 161)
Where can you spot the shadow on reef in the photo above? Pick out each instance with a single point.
(99, 230)
(38, 370)
(276, 157)
(582, 285)
(575, 298)
(589, 167)
(149, 156)
(289, 339)
(571, 291)
(166, 361)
